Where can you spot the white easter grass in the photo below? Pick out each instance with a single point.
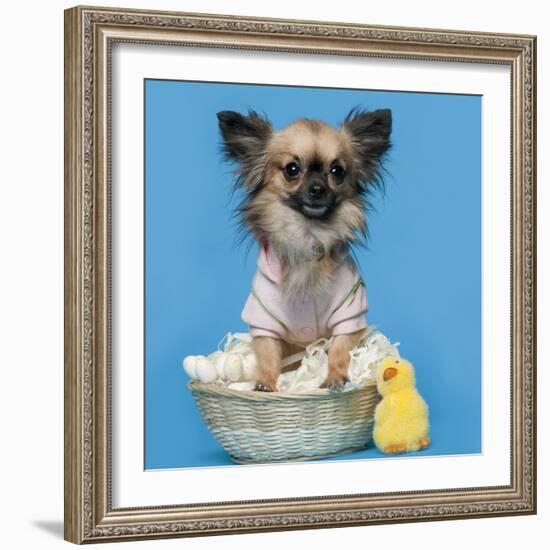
(235, 365)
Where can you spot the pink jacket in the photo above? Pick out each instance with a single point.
(341, 311)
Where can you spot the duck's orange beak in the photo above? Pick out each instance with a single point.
(389, 373)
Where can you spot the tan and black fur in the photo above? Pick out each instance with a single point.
(306, 189)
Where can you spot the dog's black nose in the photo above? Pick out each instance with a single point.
(317, 191)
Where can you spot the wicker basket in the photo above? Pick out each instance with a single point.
(274, 427)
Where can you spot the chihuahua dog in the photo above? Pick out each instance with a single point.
(305, 191)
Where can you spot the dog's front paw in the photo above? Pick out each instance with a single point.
(334, 382)
(262, 386)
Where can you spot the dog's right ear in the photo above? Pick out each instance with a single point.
(244, 137)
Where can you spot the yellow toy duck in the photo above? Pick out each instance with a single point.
(401, 418)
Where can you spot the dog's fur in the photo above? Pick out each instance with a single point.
(305, 192)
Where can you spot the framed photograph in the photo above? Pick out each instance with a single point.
(299, 274)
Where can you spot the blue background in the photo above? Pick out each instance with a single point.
(422, 266)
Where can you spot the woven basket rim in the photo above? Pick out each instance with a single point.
(320, 393)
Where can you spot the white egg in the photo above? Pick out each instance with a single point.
(189, 366)
(233, 367)
(206, 371)
(218, 360)
(250, 367)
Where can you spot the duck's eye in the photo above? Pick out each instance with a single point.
(292, 170)
(337, 171)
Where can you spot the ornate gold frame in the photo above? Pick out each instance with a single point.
(89, 35)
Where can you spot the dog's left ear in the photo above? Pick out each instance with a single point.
(370, 136)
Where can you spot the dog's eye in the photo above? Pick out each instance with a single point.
(292, 170)
(337, 171)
